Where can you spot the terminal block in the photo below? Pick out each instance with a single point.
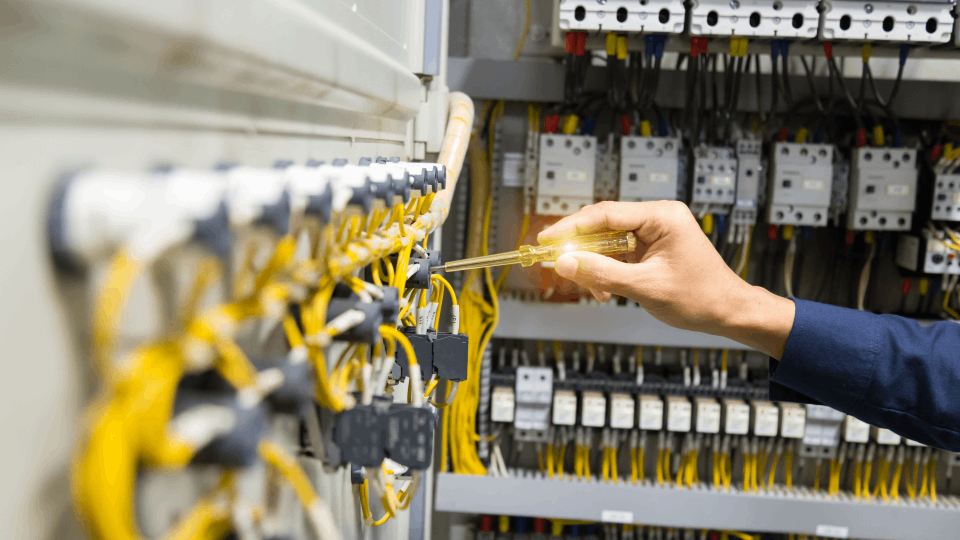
(946, 198)
(929, 21)
(714, 179)
(566, 174)
(749, 172)
(659, 16)
(800, 184)
(534, 395)
(883, 186)
(649, 168)
(755, 18)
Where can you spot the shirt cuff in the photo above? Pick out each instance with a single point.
(819, 364)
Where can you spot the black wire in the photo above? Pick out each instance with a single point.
(846, 92)
(688, 117)
(785, 80)
(773, 95)
(759, 81)
(715, 103)
(812, 85)
(896, 85)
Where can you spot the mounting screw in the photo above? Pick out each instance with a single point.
(868, 8)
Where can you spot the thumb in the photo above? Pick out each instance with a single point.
(596, 271)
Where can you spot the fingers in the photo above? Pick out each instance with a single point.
(649, 219)
(602, 275)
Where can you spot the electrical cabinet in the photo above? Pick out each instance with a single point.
(755, 18)
(883, 185)
(649, 168)
(800, 184)
(928, 21)
(566, 174)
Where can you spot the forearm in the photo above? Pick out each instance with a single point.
(759, 319)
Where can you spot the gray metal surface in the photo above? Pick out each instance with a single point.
(782, 511)
(624, 325)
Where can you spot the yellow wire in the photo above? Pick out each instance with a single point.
(895, 483)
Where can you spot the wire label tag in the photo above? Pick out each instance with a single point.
(620, 516)
(834, 531)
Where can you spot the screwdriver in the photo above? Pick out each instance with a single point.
(609, 243)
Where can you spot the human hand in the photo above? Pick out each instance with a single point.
(675, 274)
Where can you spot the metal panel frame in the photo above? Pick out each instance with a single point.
(793, 511)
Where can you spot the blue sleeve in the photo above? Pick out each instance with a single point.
(883, 369)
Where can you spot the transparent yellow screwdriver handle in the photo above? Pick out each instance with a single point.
(610, 243)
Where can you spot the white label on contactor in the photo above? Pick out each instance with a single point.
(708, 416)
(793, 422)
(816, 185)
(564, 408)
(659, 177)
(723, 180)
(501, 404)
(576, 176)
(594, 413)
(856, 430)
(766, 419)
(678, 415)
(738, 418)
(651, 413)
(898, 191)
(621, 411)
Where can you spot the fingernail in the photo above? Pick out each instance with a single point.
(566, 266)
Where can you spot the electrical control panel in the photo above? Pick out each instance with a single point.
(930, 21)
(800, 184)
(883, 186)
(946, 198)
(566, 174)
(755, 18)
(749, 174)
(714, 179)
(649, 168)
(659, 16)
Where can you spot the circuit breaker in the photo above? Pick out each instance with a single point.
(800, 184)
(649, 168)
(659, 16)
(928, 21)
(885, 436)
(566, 174)
(946, 198)
(855, 430)
(749, 174)
(766, 418)
(714, 179)
(707, 413)
(755, 18)
(792, 420)
(534, 395)
(883, 186)
(679, 414)
(564, 408)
